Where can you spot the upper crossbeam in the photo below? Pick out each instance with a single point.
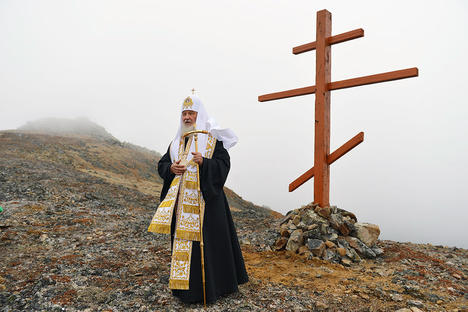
(350, 35)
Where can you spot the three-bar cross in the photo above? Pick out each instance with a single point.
(323, 85)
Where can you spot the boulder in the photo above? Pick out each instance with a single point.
(316, 246)
(331, 256)
(323, 211)
(296, 219)
(314, 233)
(285, 233)
(337, 222)
(281, 243)
(341, 251)
(360, 247)
(310, 217)
(295, 241)
(367, 233)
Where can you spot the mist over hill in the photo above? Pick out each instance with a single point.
(63, 126)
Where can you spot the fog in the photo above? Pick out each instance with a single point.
(128, 65)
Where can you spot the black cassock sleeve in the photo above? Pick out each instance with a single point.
(164, 170)
(214, 172)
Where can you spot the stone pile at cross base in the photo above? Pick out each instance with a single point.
(329, 233)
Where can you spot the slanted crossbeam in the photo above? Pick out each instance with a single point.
(352, 143)
(323, 85)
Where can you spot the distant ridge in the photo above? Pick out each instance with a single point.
(64, 126)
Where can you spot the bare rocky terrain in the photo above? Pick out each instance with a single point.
(73, 237)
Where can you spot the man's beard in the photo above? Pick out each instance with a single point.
(186, 128)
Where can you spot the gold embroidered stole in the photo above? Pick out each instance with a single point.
(184, 193)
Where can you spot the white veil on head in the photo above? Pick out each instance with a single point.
(203, 122)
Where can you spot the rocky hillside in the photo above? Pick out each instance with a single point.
(73, 238)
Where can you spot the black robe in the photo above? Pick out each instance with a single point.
(224, 264)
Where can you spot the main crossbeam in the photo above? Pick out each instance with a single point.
(342, 84)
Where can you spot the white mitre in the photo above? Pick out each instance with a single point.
(203, 122)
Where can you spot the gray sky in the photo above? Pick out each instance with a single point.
(128, 65)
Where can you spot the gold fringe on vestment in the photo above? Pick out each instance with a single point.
(159, 228)
(191, 236)
(178, 284)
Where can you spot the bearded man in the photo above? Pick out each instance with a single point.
(194, 208)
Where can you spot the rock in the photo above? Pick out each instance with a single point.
(341, 251)
(346, 262)
(43, 237)
(310, 217)
(285, 233)
(321, 305)
(378, 251)
(331, 256)
(314, 233)
(324, 228)
(337, 222)
(296, 220)
(312, 227)
(415, 309)
(403, 310)
(396, 297)
(291, 226)
(281, 243)
(330, 244)
(345, 213)
(414, 291)
(303, 250)
(295, 241)
(286, 218)
(316, 246)
(323, 211)
(415, 303)
(360, 247)
(367, 233)
(331, 237)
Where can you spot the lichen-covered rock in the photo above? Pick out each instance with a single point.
(310, 217)
(337, 222)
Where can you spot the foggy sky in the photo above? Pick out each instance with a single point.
(128, 65)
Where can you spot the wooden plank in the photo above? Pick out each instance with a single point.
(286, 94)
(309, 174)
(365, 80)
(322, 109)
(342, 84)
(304, 48)
(302, 179)
(350, 35)
(352, 143)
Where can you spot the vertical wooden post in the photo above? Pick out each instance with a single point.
(322, 109)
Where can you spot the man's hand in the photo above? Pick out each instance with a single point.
(177, 168)
(198, 158)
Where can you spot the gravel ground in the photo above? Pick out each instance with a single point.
(74, 238)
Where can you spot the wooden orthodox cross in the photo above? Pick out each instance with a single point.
(323, 85)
